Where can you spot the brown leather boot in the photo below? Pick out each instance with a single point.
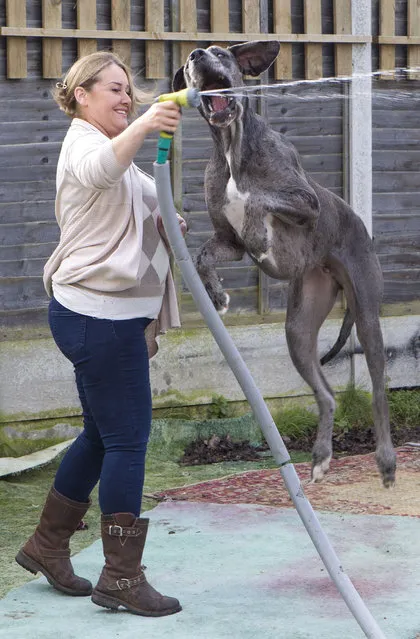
(48, 550)
(122, 581)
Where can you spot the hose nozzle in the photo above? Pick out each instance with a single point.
(184, 98)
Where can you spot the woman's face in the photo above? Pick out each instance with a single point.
(107, 103)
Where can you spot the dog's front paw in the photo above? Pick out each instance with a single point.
(220, 301)
(224, 309)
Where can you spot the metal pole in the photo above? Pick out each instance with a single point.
(258, 406)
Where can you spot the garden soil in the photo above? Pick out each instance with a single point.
(352, 484)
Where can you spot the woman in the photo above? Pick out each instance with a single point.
(112, 293)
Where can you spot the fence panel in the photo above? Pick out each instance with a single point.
(219, 18)
(413, 30)
(387, 28)
(315, 127)
(313, 52)
(155, 51)
(51, 47)
(16, 47)
(120, 17)
(342, 25)
(282, 21)
(188, 24)
(86, 19)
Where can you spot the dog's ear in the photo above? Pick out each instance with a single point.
(256, 56)
(178, 82)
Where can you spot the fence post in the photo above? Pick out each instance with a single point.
(360, 134)
(360, 117)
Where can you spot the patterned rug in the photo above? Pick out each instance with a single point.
(352, 485)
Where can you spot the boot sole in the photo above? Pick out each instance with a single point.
(100, 599)
(34, 567)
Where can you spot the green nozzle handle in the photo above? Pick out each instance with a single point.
(185, 98)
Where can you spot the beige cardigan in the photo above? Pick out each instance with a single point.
(99, 211)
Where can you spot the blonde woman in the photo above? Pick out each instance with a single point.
(111, 294)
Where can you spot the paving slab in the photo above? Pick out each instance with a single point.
(17, 465)
(241, 571)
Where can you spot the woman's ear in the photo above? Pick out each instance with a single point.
(80, 96)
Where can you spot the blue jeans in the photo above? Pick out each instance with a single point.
(111, 363)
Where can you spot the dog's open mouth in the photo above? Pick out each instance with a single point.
(218, 108)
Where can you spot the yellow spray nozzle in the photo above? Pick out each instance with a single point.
(184, 98)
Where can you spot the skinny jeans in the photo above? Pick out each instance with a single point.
(111, 365)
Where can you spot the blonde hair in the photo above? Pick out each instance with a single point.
(84, 73)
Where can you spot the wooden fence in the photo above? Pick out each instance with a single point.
(279, 26)
(41, 38)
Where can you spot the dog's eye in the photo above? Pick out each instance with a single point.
(220, 54)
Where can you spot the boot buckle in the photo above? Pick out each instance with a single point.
(115, 531)
(123, 584)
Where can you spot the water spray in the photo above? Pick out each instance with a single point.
(191, 97)
(356, 605)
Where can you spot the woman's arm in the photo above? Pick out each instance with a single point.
(161, 116)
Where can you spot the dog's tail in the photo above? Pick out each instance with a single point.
(345, 331)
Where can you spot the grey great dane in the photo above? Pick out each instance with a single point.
(261, 201)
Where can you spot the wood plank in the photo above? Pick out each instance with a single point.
(52, 62)
(16, 47)
(22, 267)
(22, 292)
(28, 251)
(396, 161)
(121, 21)
(387, 28)
(282, 23)
(413, 29)
(155, 51)
(27, 211)
(219, 18)
(313, 52)
(250, 17)
(28, 233)
(250, 21)
(343, 25)
(188, 23)
(195, 36)
(33, 191)
(86, 19)
(401, 39)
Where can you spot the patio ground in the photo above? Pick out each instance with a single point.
(240, 571)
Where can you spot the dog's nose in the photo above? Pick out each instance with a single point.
(196, 55)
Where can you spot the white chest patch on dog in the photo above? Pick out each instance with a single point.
(234, 208)
(268, 223)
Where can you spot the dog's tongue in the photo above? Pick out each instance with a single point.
(219, 103)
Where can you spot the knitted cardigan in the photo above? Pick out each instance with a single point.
(100, 209)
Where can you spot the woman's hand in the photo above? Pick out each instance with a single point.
(161, 228)
(161, 116)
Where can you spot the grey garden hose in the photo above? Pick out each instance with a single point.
(258, 406)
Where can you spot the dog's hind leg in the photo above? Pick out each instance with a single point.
(370, 337)
(362, 282)
(311, 297)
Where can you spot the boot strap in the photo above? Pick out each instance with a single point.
(124, 531)
(53, 553)
(126, 584)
